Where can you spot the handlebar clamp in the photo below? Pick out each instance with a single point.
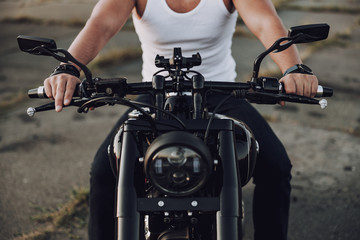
(177, 61)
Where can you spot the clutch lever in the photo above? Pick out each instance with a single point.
(51, 106)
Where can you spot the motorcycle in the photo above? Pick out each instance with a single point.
(180, 167)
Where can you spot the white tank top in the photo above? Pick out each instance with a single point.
(207, 29)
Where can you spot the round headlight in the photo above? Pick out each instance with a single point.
(178, 163)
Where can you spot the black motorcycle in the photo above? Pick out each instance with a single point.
(180, 167)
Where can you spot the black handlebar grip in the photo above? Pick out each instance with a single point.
(324, 92)
(327, 92)
(321, 91)
(40, 92)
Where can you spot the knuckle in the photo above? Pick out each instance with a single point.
(291, 91)
(307, 93)
(60, 87)
(47, 81)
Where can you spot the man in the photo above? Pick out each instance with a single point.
(204, 26)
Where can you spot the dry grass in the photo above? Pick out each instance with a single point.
(65, 220)
(286, 5)
(242, 31)
(37, 2)
(114, 57)
(280, 3)
(339, 40)
(11, 100)
(74, 22)
(334, 9)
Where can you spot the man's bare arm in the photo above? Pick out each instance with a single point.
(262, 19)
(107, 18)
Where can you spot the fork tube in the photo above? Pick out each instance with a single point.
(198, 86)
(158, 83)
(127, 216)
(228, 218)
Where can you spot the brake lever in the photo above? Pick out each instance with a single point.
(303, 99)
(271, 98)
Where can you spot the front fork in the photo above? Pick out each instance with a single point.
(127, 215)
(228, 217)
(229, 225)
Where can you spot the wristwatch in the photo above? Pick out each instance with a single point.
(299, 68)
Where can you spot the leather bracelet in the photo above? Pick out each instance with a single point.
(67, 69)
(299, 68)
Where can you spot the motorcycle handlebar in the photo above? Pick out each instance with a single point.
(147, 86)
(271, 94)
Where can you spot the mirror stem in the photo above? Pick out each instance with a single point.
(82, 66)
(276, 47)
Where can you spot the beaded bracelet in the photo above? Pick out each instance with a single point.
(66, 68)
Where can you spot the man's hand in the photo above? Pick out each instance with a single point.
(61, 88)
(300, 84)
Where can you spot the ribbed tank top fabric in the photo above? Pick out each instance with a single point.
(207, 29)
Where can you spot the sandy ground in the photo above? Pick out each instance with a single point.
(43, 159)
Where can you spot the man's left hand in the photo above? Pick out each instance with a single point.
(300, 84)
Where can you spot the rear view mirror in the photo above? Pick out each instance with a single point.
(299, 34)
(310, 33)
(47, 47)
(33, 45)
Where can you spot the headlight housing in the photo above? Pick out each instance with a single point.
(178, 163)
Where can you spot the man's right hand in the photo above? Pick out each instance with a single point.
(61, 88)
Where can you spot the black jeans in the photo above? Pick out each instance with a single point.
(272, 176)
